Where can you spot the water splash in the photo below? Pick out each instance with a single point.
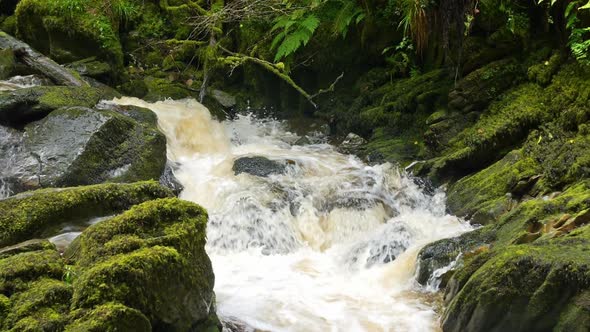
(330, 245)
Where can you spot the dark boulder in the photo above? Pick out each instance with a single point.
(441, 253)
(77, 145)
(259, 166)
(22, 106)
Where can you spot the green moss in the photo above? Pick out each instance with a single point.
(16, 270)
(7, 63)
(110, 317)
(56, 97)
(161, 89)
(158, 219)
(9, 25)
(70, 30)
(515, 172)
(543, 72)
(27, 215)
(148, 258)
(576, 316)
(46, 303)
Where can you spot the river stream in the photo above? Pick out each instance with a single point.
(328, 245)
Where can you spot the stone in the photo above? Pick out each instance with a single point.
(258, 166)
(352, 144)
(77, 145)
(28, 214)
(225, 99)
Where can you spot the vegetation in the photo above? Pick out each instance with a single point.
(491, 97)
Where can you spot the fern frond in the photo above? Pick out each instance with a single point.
(278, 39)
(310, 23)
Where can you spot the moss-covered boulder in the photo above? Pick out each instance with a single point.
(476, 90)
(143, 270)
(110, 317)
(152, 259)
(28, 215)
(69, 31)
(22, 106)
(536, 275)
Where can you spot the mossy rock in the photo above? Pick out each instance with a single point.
(29, 266)
(441, 253)
(528, 283)
(29, 214)
(150, 258)
(80, 146)
(71, 31)
(110, 317)
(543, 72)
(91, 67)
(522, 288)
(7, 64)
(159, 89)
(23, 106)
(477, 89)
(43, 306)
(480, 192)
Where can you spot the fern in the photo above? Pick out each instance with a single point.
(296, 32)
(349, 11)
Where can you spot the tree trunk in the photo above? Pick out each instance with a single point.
(58, 74)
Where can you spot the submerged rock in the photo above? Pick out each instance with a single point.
(258, 166)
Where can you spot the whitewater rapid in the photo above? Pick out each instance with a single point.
(330, 245)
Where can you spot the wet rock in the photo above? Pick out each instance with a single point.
(383, 247)
(352, 144)
(27, 246)
(441, 253)
(91, 67)
(29, 214)
(74, 146)
(22, 106)
(30, 81)
(170, 181)
(258, 166)
(225, 99)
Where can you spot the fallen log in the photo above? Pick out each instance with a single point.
(37, 61)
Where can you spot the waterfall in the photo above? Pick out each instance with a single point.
(329, 244)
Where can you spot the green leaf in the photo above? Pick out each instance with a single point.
(311, 23)
(278, 39)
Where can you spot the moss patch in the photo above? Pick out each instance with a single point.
(29, 214)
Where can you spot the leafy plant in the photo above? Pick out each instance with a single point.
(400, 57)
(349, 12)
(295, 31)
(579, 36)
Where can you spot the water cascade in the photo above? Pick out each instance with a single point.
(327, 244)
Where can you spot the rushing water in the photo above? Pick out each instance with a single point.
(328, 246)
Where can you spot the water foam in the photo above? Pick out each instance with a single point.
(328, 246)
